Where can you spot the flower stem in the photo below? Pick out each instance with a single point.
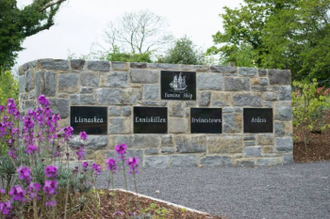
(136, 191)
(125, 178)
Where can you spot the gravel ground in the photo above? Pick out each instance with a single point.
(289, 191)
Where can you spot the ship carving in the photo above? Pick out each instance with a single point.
(179, 83)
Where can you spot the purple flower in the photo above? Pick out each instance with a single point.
(5, 208)
(111, 163)
(121, 150)
(31, 148)
(50, 187)
(25, 173)
(51, 203)
(12, 154)
(42, 100)
(28, 123)
(2, 108)
(55, 118)
(80, 153)
(85, 166)
(51, 171)
(34, 188)
(97, 168)
(68, 131)
(2, 191)
(133, 163)
(17, 193)
(83, 135)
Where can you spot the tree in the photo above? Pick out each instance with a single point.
(17, 24)
(135, 33)
(184, 52)
(285, 34)
(8, 88)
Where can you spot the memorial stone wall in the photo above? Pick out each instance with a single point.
(169, 115)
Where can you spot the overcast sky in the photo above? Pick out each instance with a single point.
(79, 23)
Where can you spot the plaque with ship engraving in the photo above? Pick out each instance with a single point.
(177, 85)
(206, 120)
(257, 120)
(150, 119)
(92, 120)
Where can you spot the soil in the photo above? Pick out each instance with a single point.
(318, 149)
(154, 208)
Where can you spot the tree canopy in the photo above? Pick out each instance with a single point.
(17, 24)
(285, 34)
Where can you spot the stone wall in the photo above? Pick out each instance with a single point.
(120, 86)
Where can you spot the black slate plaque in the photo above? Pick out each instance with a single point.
(92, 120)
(206, 120)
(258, 120)
(177, 85)
(150, 120)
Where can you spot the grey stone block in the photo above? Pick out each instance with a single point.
(253, 151)
(86, 90)
(237, 84)
(247, 71)
(198, 68)
(114, 111)
(285, 92)
(287, 158)
(279, 129)
(146, 141)
(119, 126)
(204, 98)
(102, 66)
(183, 161)
(249, 138)
(89, 79)
(245, 163)
(281, 77)
(119, 65)
(87, 99)
(229, 123)
(268, 161)
(151, 151)
(228, 110)
(262, 72)
(115, 79)
(270, 96)
(284, 113)
(284, 144)
(168, 150)
(144, 76)
(163, 66)
(213, 161)
(153, 103)
(29, 80)
(176, 109)
(187, 144)
(210, 81)
(75, 99)
(126, 110)
(138, 65)
(167, 140)
(247, 100)
(77, 64)
(151, 92)
(177, 125)
(54, 64)
(121, 139)
(223, 69)
(156, 162)
(22, 84)
(68, 83)
(249, 143)
(94, 142)
(45, 83)
(59, 106)
(130, 153)
(113, 96)
(263, 81)
(259, 88)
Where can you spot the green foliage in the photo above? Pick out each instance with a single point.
(184, 52)
(17, 24)
(282, 34)
(9, 87)
(309, 105)
(159, 213)
(116, 55)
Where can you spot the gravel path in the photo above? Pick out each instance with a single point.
(290, 191)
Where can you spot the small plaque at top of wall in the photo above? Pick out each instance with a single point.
(258, 120)
(92, 120)
(177, 85)
(150, 119)
(206, 120)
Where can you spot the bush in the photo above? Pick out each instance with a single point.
(309, 105)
